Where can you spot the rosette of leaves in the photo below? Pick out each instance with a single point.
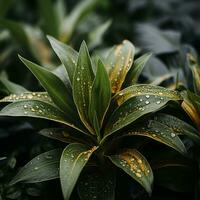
(95, 105)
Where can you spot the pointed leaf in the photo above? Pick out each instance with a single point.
(135, 165)
(144, 89)
(66, 54)
(136, 69)
(178, 126)
(100, 94)
(41, 168)
(136, 107)
(99, 185)
(41, 96)
(37, 109)
(159, 132)
(82, 85)
(74, 157)
(67, 135)
(55, 88)
(118, 63)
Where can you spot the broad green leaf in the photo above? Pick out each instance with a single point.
(82, 85)
(118, 63)
(72, 20)
(144, 89)
(177, 126)
(4, 6)
(66, 54)
(41, 168)
(50, 22)
(55, 88)
(99, 185)
(135, 108)
(135, 165)
(11, 87)
(159, 132)
(74, 157)
(100, 94)
(41, 96)
(96, 35)
(136, 69)
(67, 135)
(37, 109)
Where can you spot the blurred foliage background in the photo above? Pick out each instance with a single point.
(168, 29)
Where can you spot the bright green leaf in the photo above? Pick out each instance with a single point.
(74, 157)
(41, 168)
(135, 165)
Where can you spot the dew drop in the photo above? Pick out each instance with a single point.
(36, 168)
(25, 106)
(147, 102)
(173, 135)
(25, 113)
(141, 100)
(78, 79)
(158, 102)
(147, 96)
(138, 175)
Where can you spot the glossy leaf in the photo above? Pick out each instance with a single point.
(66, 54)
(55, 88)
(136, 69)
(118, 63)
(82, 85)
(100, 94)
(99, 185)
(135, 108)
(159, 132)
(37, 109)
(144, 89)
(41, 96)
(135, 165)
(178, 126)
(41, 168)
(74, 157)
(67, 135)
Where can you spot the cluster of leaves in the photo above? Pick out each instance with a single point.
(97, 105)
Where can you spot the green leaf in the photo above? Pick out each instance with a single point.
(41, 168)
(135, 165)
(136, 69)
(11, 87)
(66, 54)
(137, 106)
(55, 88)
(100, 94)
(4, 6)
(74, 157)
(80, 11)
(82, 85)
(37, 109)
(118, 63)
(159, 132)
(144, 89)
(96, 35)
(67, 135)
(99, 185)
(178, 126)
(41, 96)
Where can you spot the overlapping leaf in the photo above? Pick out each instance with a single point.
(41, 168)
(82, 85)
(74, 157)
(118, 63)
(135, 165)
(37, 109)
(66, 54)
(136, 70)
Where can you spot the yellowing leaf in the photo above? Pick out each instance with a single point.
(118, 63)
